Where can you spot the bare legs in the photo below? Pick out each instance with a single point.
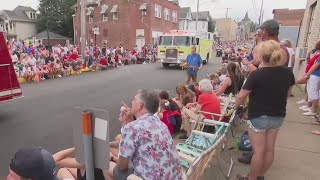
(263, 147)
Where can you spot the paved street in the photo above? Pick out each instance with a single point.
(43, 117)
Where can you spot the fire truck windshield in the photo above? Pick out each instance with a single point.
(166, 40)
(181, 41)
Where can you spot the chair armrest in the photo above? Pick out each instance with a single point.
(204, 112)
(212, 122)
(207, 135)
(133, 177)
(187, 158)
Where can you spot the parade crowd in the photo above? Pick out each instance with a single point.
(260, 78)
(34, 63)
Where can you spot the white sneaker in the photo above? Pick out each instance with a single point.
(302, 101)
(306, 109)
(309, 113)
(303, 107)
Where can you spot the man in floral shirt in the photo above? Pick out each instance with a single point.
(147, 143)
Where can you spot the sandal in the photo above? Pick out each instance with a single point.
(316, 132)
(316, 122)
(240, 177)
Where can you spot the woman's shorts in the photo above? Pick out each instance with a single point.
(313, 88)
(264, 123)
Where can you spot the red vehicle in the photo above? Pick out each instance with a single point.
(9, 85)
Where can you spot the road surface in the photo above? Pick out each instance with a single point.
(43, 117)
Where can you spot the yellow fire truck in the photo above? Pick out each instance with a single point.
(175, 46)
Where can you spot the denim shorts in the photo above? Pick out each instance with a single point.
(264, 123)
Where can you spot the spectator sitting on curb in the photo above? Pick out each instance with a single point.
(147, 143)
(33, 164)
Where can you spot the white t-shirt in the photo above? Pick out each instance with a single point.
(291, 52)
(222, 77)
(32, 61)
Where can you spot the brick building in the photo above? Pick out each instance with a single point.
(130, 23)
(288, 17)
(309, 34)
(290, 21)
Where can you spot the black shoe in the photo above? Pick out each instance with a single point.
(260, 178)
(184, 136)
(245, 158)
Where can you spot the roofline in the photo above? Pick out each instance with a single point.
(19, 20)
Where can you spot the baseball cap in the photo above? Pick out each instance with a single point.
(34, 164)
(269, 24)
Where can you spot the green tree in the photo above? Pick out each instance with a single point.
(211, 24)
(56, 15)
(253, 27)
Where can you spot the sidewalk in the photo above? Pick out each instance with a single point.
(297, 153)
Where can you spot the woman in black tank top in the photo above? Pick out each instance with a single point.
(233, 81)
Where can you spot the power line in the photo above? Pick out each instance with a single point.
(254, 7)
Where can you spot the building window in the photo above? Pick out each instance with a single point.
(174, 16)
(311, 18)
(114, 11)
(157, 11)
(32, 15)
(203, 25)
(90, 14)
(104, 9)
(91, 18)
(167, 14)
(115, 16)
(105, 17)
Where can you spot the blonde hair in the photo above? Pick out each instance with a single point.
(270, 52)
(287, 43)
(214, 76)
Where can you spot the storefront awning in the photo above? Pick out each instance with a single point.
(104, 9)
(114, 9)
(143, 6)
(90, 11)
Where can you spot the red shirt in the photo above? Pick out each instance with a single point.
(166, 121)
(210, 103)
(133, 52)
(73, 57)
(103, 61)
(311, 62)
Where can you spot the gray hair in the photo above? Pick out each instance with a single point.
(150, 100)
(205, 85)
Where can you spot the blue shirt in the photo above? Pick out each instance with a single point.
(193, 60)
(317, 71)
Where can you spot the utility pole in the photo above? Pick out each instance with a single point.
(197, 17)
(260, 16)
(227, 12)
(83, 26)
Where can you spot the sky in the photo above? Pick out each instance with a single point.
(217, 8)
(238, 8)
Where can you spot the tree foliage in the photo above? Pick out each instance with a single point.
(57, 16)
(211, 24)
(253, 27)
